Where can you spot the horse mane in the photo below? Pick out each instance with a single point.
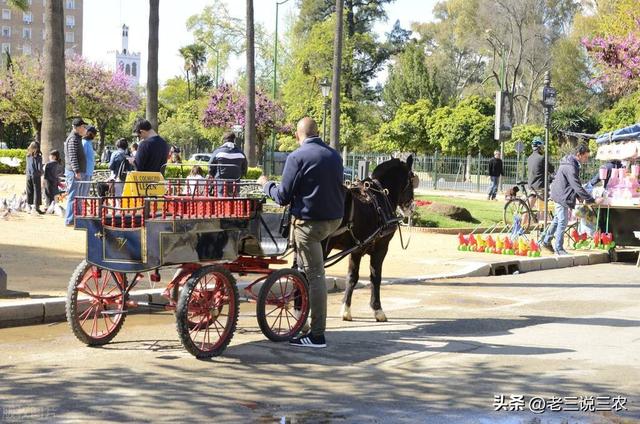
(384, 167)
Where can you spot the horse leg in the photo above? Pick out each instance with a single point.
(377, 257)
(352, 280)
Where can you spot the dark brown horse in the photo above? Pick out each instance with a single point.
(370, 212)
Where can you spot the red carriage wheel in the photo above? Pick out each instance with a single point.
(207, 311)
(96, 304)
(283, 304)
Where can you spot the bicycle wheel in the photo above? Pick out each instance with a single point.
(517, 208)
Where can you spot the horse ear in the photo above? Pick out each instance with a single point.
(410, 161)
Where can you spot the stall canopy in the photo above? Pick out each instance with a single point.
(631, 132)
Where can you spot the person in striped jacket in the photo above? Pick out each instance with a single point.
(227, 163)
(75, 166)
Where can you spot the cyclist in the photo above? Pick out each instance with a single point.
(535, 167)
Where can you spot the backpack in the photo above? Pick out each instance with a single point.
(123, 169)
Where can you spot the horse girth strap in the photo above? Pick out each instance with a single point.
(370, 192)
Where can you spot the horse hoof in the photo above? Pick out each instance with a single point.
(380, 316)
(346, 313)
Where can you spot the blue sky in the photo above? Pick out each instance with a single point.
(103, 20)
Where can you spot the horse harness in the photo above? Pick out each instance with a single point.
(372, 193)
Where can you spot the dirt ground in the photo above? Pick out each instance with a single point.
(39, 253)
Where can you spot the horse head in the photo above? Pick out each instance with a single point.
(398, 178)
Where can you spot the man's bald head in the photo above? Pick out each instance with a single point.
(306, 128)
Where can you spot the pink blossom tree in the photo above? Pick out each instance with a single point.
(227, 108)
(618, 59)
(99, 94)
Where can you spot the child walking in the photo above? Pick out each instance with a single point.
(34, 172)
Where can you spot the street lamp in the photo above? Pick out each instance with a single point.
(275, 86)
(325, 87)
(548, 102)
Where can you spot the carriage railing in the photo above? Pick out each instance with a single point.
(182, 199)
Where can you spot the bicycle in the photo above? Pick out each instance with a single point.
(519, 206)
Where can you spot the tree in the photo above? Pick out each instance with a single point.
(21, 93)
(152, 63)
(250, 120)
(453, 44)
(408, 131)
(366, 53)
(194, 56)
(465, 129)
(410, 80)
(54, 100)
(337, 71)
(624, 112)
(99, 94)
(227, 107)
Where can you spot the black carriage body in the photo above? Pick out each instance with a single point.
(161, 242)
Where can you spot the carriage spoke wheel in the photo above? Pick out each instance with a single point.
(207, 311)
(283, 304)
(96, 304)
(518, 208)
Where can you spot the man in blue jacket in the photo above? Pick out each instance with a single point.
(227, 162)
(312, 183)
(565, 189)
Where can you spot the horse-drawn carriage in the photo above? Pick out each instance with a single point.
(206, 230)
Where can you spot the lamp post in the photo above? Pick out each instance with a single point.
(548, 102)
(325, 87)
(275, 85)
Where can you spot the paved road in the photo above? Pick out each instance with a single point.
(448, 349)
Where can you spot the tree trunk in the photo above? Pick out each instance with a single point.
(37, 129)
(54, 102)
(152, 63)
(102, 130)
(337, 69)
(250, 113)
(351, 30)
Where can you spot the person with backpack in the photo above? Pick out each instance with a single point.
(120, 166)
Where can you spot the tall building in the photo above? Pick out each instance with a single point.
(126, 60)
(24, 32)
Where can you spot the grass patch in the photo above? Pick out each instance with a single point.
(488, 213)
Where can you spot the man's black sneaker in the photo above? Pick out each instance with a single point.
(308, 340)
(548, 246)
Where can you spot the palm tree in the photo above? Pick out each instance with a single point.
(337, 69)
(152, 63)
(194, 56)
(54, 103)
(250, 113)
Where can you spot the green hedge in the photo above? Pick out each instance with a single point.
(183, 170)
(13, 153)
(173, 171)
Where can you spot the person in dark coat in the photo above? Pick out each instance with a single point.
(53, 171)
(495, 172)
(153, 150)
(34, 173)
(535, 168)
(228, 163)
(565, 190)
(312, 183)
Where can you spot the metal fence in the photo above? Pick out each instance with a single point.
(463, 173)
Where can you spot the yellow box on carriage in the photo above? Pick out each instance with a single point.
(142, 184)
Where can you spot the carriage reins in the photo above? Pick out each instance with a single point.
(386, 225)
